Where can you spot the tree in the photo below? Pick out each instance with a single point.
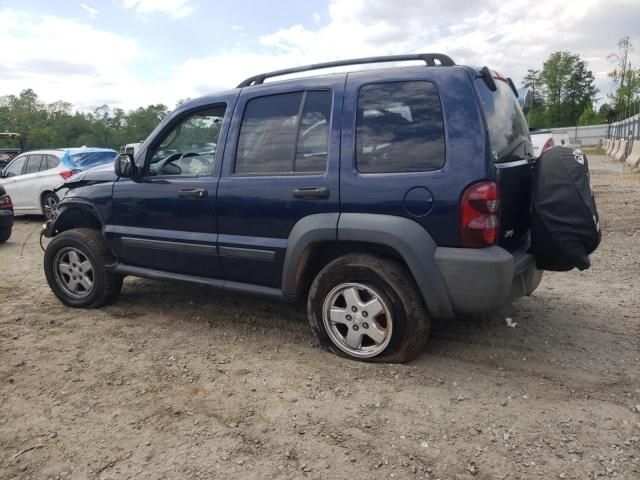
(56, 125)
(568, 88)
(620, 73)
(532, 82)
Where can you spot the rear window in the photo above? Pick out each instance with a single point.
(508, 130)
(91, 159)
(399, 128)
(285, 134)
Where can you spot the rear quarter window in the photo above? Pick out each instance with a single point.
(399, 128)
(507, 127)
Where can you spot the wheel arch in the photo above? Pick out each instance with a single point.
(316, 241)
(75, 214)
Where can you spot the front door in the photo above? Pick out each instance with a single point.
(166, 220)
(11, 180)
(281, 165)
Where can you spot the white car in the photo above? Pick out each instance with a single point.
(31, 177)
(542, 141)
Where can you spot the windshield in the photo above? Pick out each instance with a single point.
(85, 160)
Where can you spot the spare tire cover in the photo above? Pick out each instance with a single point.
(565, 226)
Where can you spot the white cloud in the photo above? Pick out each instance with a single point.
(176, 9)
(510, 37)
(66, 59)
(63, 59)
(92, 12)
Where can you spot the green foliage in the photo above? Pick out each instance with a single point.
(590, 117)
(626, 79)
(56, 125)
(562, 90)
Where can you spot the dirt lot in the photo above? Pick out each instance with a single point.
(175, 381)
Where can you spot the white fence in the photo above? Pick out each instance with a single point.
(591, 135)
(584, 136)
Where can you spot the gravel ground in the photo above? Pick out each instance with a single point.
(181, 382)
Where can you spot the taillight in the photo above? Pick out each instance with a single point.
(5, 202)
(479, 215)
(548, 145)
(67, 174)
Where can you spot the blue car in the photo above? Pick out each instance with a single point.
(381, 198)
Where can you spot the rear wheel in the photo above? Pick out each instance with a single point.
(48, 203)
(368, 308)
(75, 266)
(5, 233)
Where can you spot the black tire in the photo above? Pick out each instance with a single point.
(393, 283)
(5, 233)
(106, 285)
(48, 200)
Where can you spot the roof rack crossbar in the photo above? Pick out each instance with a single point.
(429, 58)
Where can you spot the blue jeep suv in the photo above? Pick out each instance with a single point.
(382, 198)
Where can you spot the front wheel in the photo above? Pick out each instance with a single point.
(75, 266)
(368, 308)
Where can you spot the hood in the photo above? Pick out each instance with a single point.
(100, 174)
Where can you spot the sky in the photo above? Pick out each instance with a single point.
(131, 53)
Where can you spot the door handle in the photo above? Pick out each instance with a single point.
(193, 193)
(311, 192)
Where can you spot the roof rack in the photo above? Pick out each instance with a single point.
(429, 58)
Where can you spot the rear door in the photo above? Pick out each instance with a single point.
(512, 157)
(280, 165)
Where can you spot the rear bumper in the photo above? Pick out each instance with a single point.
(484, 280)
(6, 217)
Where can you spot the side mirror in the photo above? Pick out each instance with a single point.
(125, 166)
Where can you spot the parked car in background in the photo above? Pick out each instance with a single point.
(380, 198)
(6, 215)
(31, 177)
(11, 145)
(561, 139)
(131, 148)
(542, 141)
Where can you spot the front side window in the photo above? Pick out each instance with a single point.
(285, 134)
(189, 148)
(15, 168)
(33, 165)
(399, 128)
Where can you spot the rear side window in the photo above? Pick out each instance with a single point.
(399, 128)
(52, 162)
(508, 130)
(33, 164)
(284, 134)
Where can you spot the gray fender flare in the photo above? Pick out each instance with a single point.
(64, 207)
(321, 227)
(414, 244)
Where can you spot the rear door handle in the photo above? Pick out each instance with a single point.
(311, 192)
(193, 193)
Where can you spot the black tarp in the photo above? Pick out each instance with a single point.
(565, 227)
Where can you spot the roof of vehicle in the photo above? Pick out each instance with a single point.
(59, 152)
(9, 135)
